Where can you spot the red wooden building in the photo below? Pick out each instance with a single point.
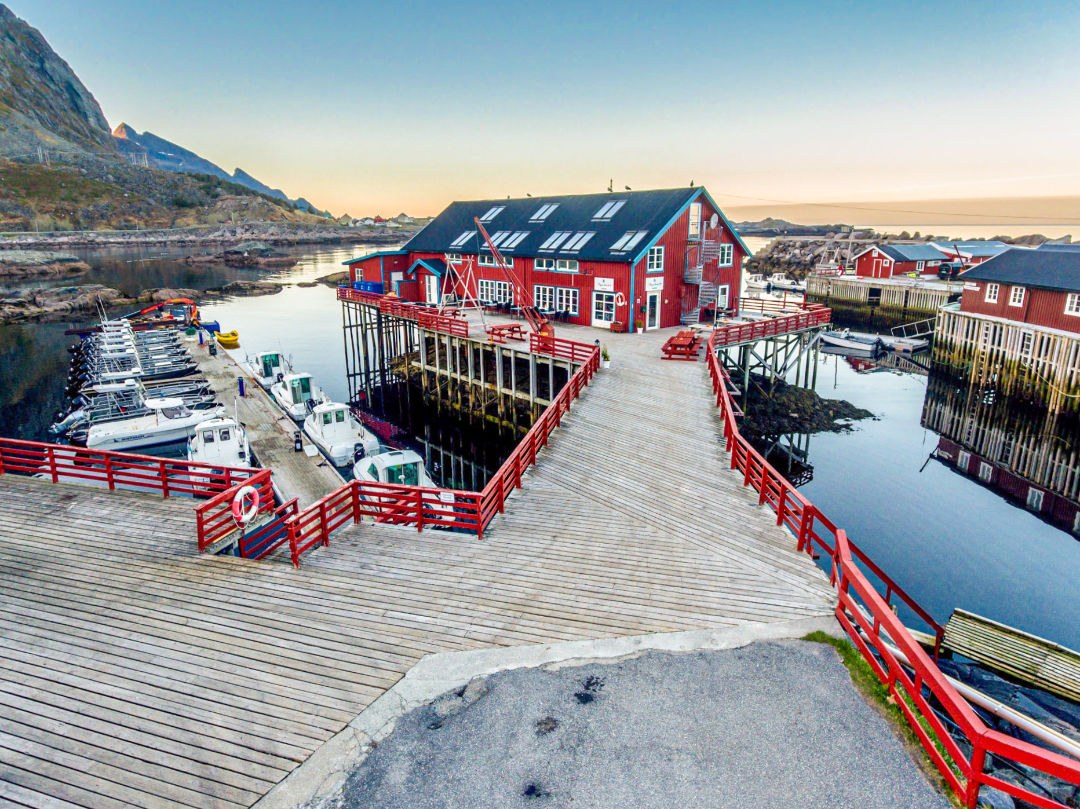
(887, 260)
(1037, 287)
(629, 260)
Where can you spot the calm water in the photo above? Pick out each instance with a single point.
(948, 540)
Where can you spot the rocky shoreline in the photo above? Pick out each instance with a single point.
(247, 255)
(273, 233)
(27, 263)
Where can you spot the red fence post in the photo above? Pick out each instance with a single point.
(51, 452)
(109, 473)
(164, 475)
(419, 510)
(356, 501)
(293, 551)
(322, 524)
(2, 447)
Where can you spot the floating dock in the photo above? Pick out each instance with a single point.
(306, 475)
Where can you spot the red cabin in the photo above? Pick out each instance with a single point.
(628, 260)
(887, 260)
(1039, 287)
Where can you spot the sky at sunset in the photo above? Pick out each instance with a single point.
(367, 108)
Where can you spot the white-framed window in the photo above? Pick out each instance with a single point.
(567, 300)
(1027, 343)
(603, 307)
(694, 226)
(1035, 498)
(453, 258)
(544, 264)
(655, 260)
(492, 212)
(992, 292)
(567, 265)
(544, 297)
(1072, 303)
(1076, 523)
(963, 460)
(726, 256)
(920, 266)
(494, 291)
(1016, 296)
(543, 212)
(608, 210)
(488, 260)
(986, 471)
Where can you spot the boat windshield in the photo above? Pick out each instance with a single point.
(300, 389)
(175, 412)
(269, 362)
(407, 474)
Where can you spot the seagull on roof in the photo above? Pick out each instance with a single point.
(691, 183)
(610, 185)
(628, 188)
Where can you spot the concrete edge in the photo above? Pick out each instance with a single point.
(325, 770)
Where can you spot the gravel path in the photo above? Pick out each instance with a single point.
(773, 724)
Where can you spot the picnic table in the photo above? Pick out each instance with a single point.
(501, 332)
(683, 346)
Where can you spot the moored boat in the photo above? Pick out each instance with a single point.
(296, 394)
(866, 345)
(401, 467)
(169, 422)
(267, 367)
(221, 441)
(335, 431)
(228, 339)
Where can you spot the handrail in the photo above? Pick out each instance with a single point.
(406, 310)
(124, 470)
(735, 333)
(214, 519)
(868, 617)
(453, 509)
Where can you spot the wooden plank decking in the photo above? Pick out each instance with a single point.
(133, 672)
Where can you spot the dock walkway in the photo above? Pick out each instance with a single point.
(136, 673)
(270, 432)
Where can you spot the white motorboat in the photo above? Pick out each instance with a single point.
(868, 345)
(781, 282)
(170, 421)
(756, 281)
(297, 395)
(268, 367)
(403, 467)
(335, 431)
(221, 441)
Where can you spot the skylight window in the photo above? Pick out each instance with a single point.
(608, 210)
(628, 240)
(492, 213)
(515, 240)
(555, 239)
(578, 241)
(460, 240)
(543, 212)
(498, 236)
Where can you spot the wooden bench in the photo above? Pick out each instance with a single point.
(502, 332)
(683, 346)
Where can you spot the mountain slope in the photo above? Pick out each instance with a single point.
(42, 101)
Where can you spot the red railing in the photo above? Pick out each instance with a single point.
(214, 518)
(263, 541)
(452, 509)
(868, 616)
(552, 346)
(422, 316)
(812, 315)
(117, 470)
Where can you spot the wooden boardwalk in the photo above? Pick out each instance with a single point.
(135, 673)
(270, 432)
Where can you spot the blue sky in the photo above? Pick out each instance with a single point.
(389, 106)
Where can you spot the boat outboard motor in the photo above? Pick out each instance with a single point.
(358, 453)
(280, 377)
(310, 405)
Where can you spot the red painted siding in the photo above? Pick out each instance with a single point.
(1041, 307)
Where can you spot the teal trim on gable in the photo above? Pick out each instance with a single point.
(379, 254)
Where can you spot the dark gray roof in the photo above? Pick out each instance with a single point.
(912, 252)
(1066, 247)
(528, 227)
(976, 248)
(1045, 269)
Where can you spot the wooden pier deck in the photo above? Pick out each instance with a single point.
(137, 673)
(270, 432)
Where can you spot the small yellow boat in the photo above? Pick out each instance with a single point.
(228, 339)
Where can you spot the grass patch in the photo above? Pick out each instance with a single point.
(878, 695)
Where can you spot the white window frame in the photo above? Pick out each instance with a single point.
(544, 296)
(488, 260)
(452, 258)
(567, 265)
(1072, 304)
(963, 459)
(607, 307)
(1016, 296)
(544, 264)
(920, 266)
(726, 256)
(693, 228)
(654, 261)
(986, 472)
(1035, 498)
(488, 289)
(568, 299)
(992, 292)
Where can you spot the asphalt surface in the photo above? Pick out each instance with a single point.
(772, 724)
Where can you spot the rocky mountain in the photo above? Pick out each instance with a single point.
(61, 167)
(167, 156)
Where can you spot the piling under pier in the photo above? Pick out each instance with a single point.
(270, 431)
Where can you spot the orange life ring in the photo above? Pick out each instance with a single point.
(240, 514)
(620, 299)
